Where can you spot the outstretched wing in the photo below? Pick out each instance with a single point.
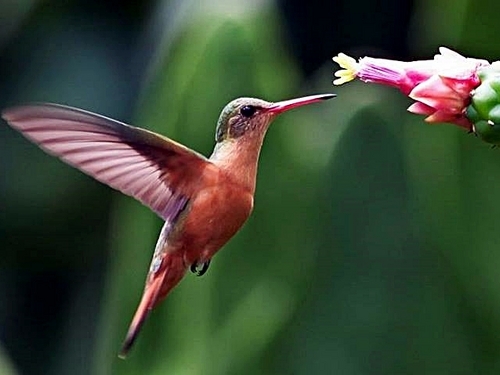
(147, 166)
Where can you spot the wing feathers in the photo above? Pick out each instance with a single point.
(140, 163)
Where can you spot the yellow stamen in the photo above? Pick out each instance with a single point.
(349, 69)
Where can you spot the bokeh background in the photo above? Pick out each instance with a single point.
(374, 247)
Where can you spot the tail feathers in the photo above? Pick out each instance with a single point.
(159, 284)
(148, 301)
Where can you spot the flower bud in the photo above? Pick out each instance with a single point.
(484, 109)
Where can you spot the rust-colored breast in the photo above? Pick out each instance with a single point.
(217, 212)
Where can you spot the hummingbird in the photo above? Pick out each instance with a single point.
(203, 201)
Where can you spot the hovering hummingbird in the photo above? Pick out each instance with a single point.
(204, 202)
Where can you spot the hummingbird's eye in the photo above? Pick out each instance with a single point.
(248, 110)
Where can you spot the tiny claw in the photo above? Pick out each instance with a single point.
(199, 272)
(193, 267)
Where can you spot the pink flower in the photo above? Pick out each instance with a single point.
(441, 87)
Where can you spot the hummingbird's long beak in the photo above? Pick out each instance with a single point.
(285, 105)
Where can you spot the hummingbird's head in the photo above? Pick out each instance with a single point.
(243, 116)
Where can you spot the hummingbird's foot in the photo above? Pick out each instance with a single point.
(200, 272)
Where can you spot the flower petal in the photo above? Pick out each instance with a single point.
(419, 108)
(457, 119)
(435, 93)
(349, 69)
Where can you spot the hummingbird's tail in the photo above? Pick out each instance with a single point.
(159, 283)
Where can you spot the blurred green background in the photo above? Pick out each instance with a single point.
(373, 247)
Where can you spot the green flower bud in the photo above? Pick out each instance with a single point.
(489, 132)
(484, 109)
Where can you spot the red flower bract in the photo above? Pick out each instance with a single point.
(444, 99)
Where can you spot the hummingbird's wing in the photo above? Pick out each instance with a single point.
(137, 162)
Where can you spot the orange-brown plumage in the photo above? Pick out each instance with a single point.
(204, 202)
